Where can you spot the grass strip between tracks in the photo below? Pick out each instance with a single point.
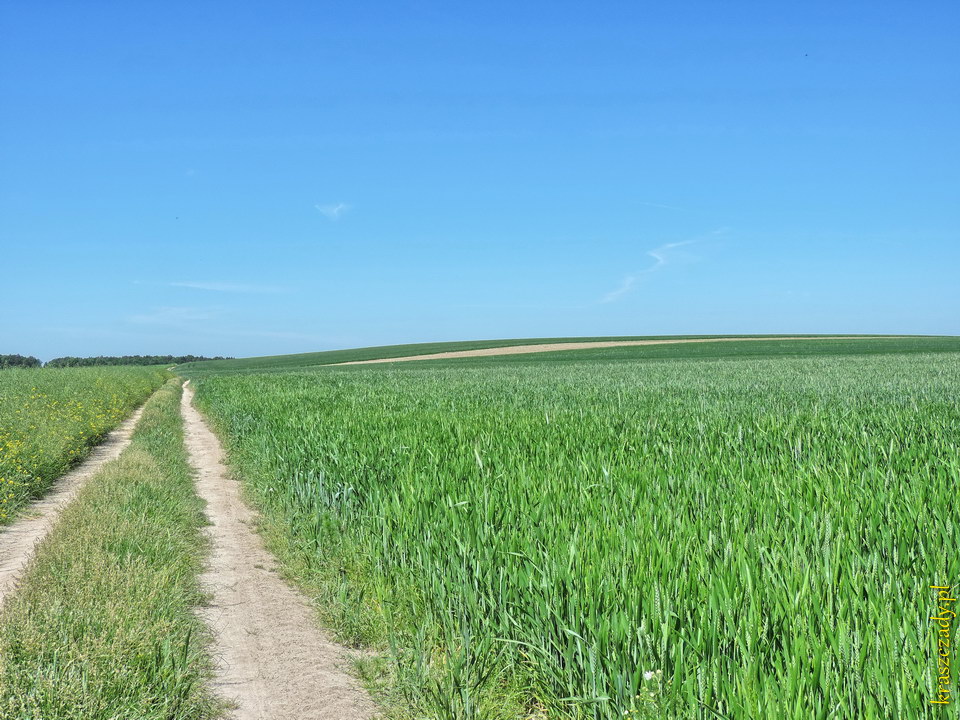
(102, 626)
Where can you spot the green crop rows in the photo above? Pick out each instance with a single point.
(733, 538)
(757, 346)
(49, 419)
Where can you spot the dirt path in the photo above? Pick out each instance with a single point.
(273, 662)
(19, 540)
(556, 347)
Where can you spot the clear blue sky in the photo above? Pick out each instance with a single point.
(258, 178)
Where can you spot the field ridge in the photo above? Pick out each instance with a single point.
(596, 345)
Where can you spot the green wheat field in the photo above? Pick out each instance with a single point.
(727, 530)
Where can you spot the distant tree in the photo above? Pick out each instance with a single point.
(128, 360)
(8, 361)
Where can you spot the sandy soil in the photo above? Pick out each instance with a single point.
(273, 662)
(19, 540)
(556, 347)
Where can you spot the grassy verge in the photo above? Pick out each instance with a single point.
(102, 626)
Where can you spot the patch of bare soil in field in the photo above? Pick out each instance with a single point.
(273, 661)
(19, 540)
(557, 347)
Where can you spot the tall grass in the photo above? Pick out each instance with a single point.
(734, 539)
(49, 419)
(102, 626)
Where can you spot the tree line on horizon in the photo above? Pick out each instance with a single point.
(19, 361)
(7, 361)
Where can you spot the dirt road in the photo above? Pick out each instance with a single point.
(273, 662)
(19, 540)
(557, 347)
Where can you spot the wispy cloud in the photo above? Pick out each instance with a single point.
(228, 287)
(333, 212)
(662, 256)
(625, 287)
(175, 316)
(278, 335)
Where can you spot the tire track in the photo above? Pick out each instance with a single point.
(272, 660)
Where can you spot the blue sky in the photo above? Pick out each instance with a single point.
(260, 178)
